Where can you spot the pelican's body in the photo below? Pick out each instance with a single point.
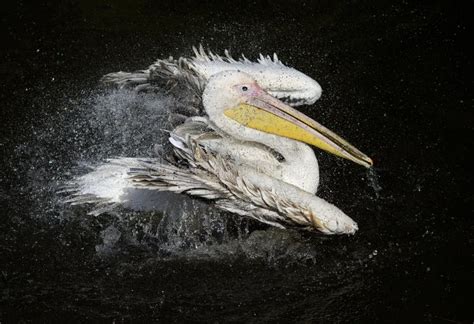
(249, 155)
(290, 161)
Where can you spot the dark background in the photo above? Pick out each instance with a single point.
(397, 82)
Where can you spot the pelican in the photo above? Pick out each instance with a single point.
(250, 155)
(279, 80)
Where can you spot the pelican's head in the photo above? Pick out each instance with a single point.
(234, 96)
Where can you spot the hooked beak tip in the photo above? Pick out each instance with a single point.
(370, 163)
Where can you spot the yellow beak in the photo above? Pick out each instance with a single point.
(268, 114)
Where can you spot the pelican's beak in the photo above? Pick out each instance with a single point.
(265, 113)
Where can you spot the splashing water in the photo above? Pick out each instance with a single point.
(373, 178)
(115, 123)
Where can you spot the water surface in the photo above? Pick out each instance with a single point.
(395, 83)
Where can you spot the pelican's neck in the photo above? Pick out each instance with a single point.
(300, 166)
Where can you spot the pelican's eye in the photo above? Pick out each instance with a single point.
(244, 88)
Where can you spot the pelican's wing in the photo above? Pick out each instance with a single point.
(199, 171)
(235, 188)
(165, 73)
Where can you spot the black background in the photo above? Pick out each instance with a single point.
(396, 78)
